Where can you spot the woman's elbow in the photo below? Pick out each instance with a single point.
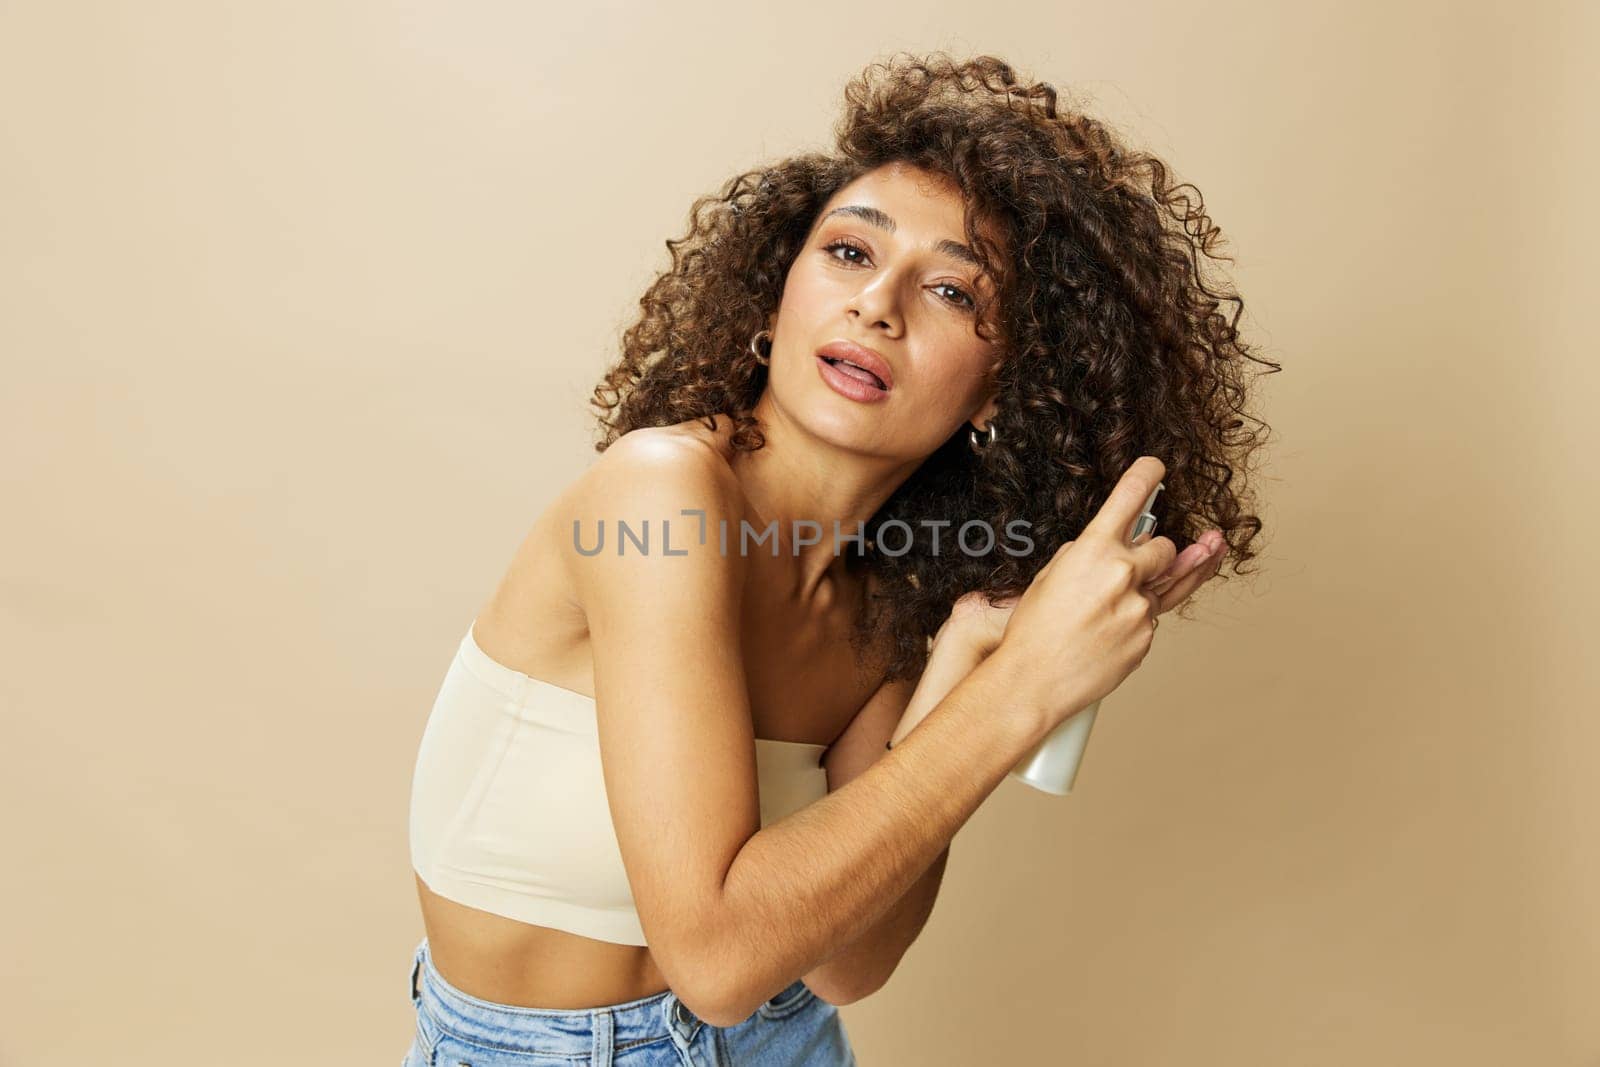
(723, 995)
(717, 999)
(840, 997)
(703, 981)
(721, 1013)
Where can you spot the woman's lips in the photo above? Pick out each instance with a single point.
(845, 383)
(862, 357)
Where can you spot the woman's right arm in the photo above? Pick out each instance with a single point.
(735, 912)
(819, 878)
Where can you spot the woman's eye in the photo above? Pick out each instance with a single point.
(829, 248)
(962, 296)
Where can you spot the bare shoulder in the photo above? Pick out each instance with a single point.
(684, 455)
(650, 480)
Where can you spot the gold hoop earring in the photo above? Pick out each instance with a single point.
(755, 350)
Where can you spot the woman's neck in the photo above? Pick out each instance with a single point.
(804, 485)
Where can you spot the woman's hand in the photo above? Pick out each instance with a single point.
(979, 625)
(1087, 620)
(976, 623)
(975, 626)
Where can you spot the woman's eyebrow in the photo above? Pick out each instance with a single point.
(875, 217)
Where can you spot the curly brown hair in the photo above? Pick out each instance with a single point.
(1114, 345)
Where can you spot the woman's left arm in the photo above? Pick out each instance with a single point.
(862, 967)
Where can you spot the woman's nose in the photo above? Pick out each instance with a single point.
(878, 304)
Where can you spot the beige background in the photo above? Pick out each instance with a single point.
(300, 306)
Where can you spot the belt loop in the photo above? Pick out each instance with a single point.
(603, 1025)
(416, 969)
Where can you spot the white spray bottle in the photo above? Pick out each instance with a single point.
(1052, 764)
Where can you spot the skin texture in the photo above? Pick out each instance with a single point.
(690, 658)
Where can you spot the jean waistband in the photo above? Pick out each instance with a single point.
(563, 1031)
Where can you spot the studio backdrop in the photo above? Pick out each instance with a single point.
(300, 311)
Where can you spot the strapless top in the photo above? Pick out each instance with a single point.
(508, 805)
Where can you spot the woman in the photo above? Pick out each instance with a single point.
(663, 813)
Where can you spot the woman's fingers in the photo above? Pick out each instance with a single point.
(1185, 562)
(1179, 590)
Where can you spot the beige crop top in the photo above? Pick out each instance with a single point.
(508, 806)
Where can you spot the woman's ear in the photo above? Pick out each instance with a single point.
(985, 414)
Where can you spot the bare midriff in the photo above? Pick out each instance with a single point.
(507, 961)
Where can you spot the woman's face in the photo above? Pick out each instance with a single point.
(884, 269)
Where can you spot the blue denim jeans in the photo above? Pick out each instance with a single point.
(796, 1028)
